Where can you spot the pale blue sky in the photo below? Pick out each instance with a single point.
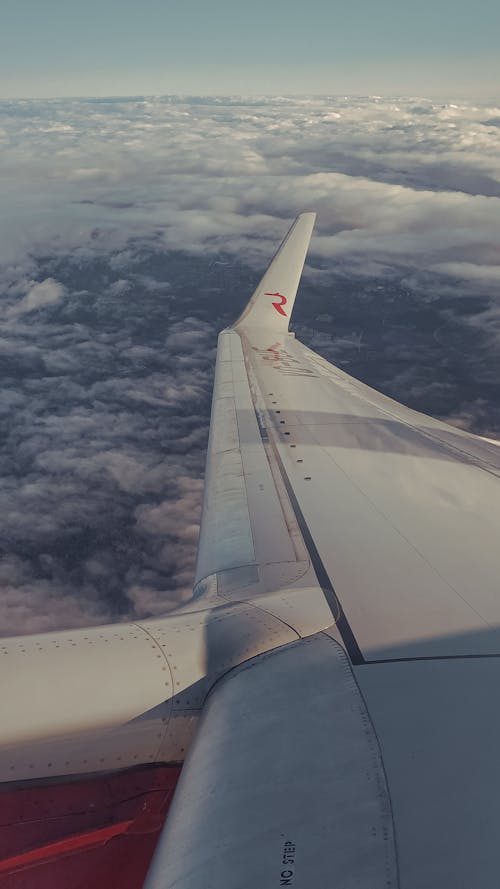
(103, 47)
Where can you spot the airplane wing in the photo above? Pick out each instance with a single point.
(366, 755)
(330, 690)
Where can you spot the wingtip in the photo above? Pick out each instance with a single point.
(281, 279)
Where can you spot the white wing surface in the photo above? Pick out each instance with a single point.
(320, 489)
(397, 513)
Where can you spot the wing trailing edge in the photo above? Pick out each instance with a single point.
(272, 302)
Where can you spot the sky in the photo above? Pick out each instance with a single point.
(133, 230)
(122, 47)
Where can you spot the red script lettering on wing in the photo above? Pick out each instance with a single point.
(278, 306)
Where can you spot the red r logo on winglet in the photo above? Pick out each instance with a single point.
(277, 306)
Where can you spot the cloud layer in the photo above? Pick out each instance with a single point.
(132, 230)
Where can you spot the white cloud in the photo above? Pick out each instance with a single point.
(483, 274)
(46, 293)
(215, 174)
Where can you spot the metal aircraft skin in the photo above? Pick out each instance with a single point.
(332, 685)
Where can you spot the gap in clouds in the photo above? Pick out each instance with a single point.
(134, 230)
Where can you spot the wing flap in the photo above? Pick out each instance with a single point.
(284, 784)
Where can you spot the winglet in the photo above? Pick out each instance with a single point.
(272, 303)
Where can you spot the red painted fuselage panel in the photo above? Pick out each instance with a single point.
(97, 832)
